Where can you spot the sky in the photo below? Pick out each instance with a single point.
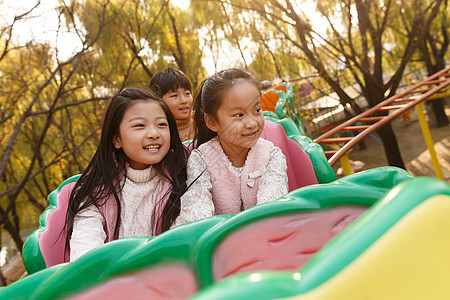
(42, 27)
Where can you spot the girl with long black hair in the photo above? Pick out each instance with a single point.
(133, 184)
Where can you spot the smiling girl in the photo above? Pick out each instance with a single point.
(232, 168)
(133, 184)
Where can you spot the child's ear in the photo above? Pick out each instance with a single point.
(210, 122)
(117, 142)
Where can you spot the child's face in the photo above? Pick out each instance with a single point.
(144, 134)
(179, 102)
(240, 120)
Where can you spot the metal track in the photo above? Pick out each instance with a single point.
(398, 104)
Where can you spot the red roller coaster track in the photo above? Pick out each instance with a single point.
(398, 104)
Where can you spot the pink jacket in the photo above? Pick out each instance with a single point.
(231, 192)
(52, 242)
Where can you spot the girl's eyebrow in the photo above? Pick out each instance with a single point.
(255, 102)
(144, 118)
(136, 118)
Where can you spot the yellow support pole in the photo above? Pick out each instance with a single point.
(408, 81)
(345, 163)
(428, 140)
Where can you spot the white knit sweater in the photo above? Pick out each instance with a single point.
(137, 201)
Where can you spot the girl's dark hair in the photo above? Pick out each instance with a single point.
(167, 80)
(209, 98)
(102, 176)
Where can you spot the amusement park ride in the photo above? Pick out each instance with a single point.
(414, 96)
(378, 234)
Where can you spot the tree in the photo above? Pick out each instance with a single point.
(42, 98)
(52, 106)
(144, 37)
(354, 45)
(432, 51)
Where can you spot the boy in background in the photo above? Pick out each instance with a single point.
(175, 89)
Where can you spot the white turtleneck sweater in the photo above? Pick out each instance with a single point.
(137, 200)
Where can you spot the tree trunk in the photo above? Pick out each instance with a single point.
(391, 149)
(2, 278)
(374, 96)
(437, 106)
(14, 234)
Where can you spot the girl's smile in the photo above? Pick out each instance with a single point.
(251, 135)
(153, 148)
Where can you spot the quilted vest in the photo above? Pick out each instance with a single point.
(233, 192)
